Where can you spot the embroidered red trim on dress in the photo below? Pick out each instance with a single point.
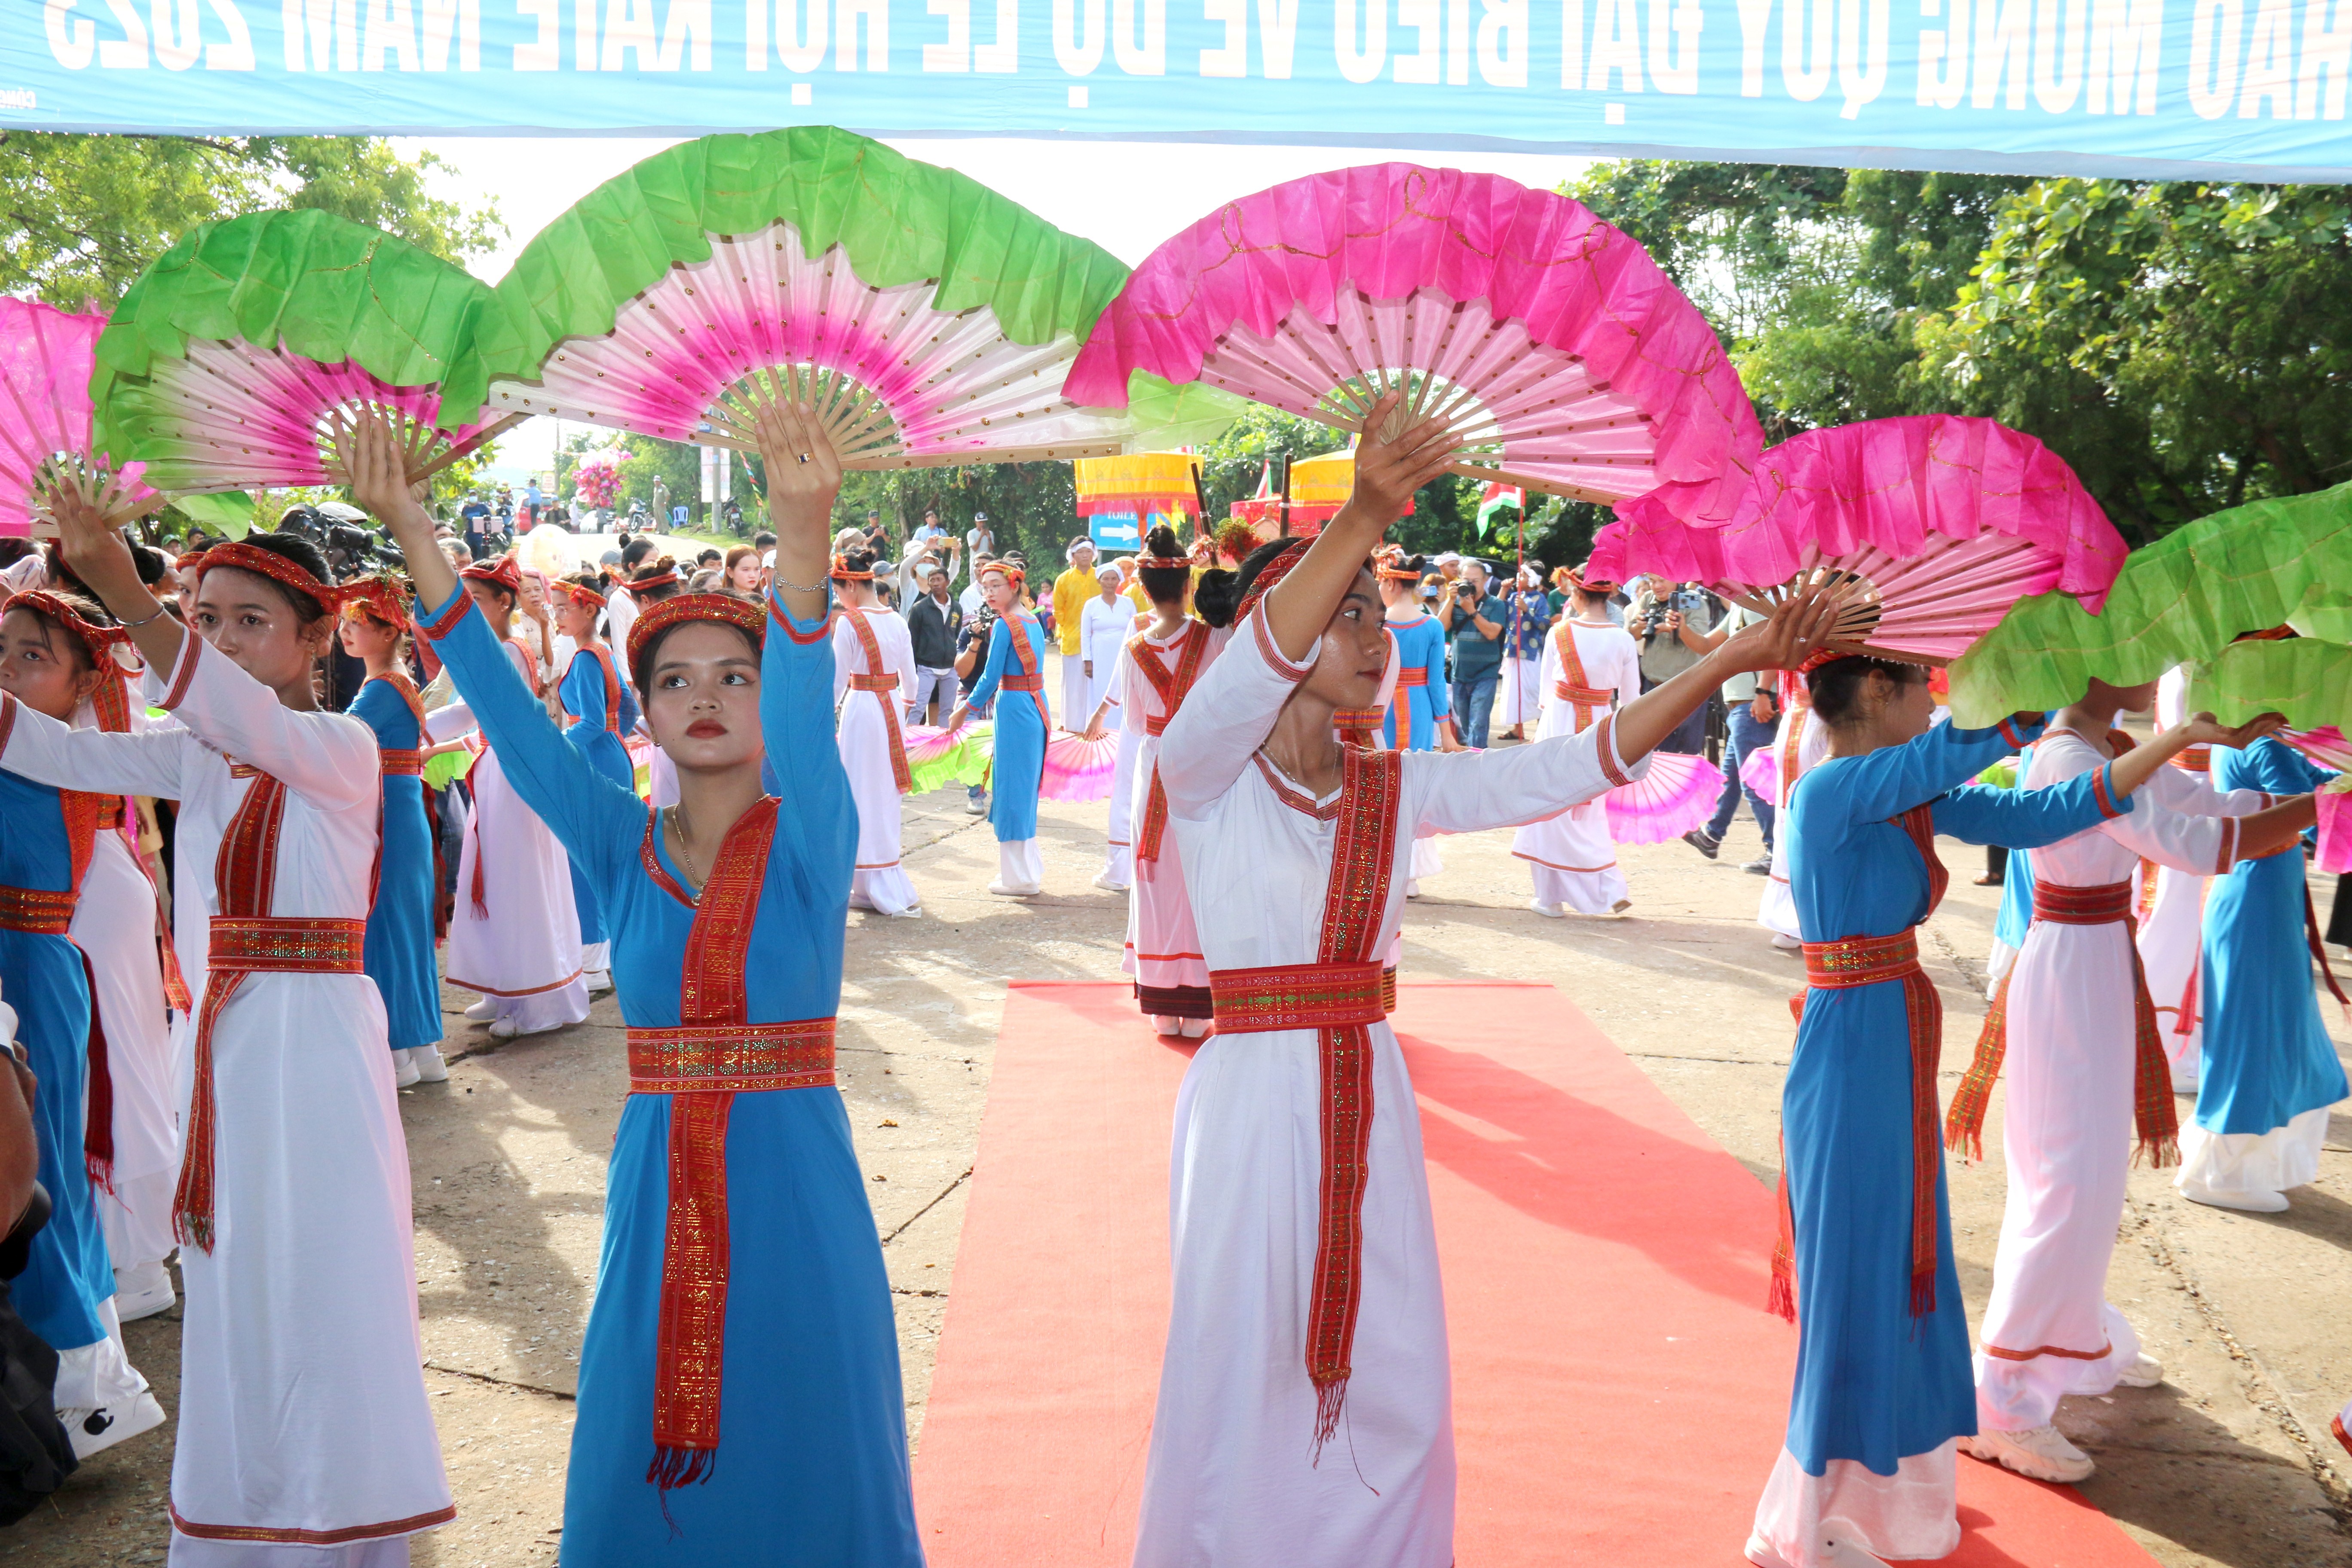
(401, 763)
(442, 625)
(747, 1058)
(191, 647)
(1297, 799)
(2229, 855)
(1172, 686)
(782, 618)
(7, 719)
(38, 912)
(1293, 673)
(2100, 1354)
(2008, 733)
(532, 990)
(1605, 749)
(1296, 997)
(313, 1537)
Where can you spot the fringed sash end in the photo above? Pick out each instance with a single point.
(674, 1466)
(1330, 1399)
(1923, 1294)
(2157, 1154)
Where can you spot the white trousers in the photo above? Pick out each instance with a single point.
(1019, 865)
(1913, 1513)
(188, 1552)
(2257, 1163)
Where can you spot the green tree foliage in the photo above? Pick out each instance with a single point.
(2182, 346)
(81, 216)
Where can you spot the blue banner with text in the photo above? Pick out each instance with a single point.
(2218, 89)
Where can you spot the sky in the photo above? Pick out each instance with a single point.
(1126, 196)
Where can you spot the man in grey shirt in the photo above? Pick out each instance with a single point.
(1670, 624)
(1754, 716)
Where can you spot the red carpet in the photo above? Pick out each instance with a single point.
(1618, 1388)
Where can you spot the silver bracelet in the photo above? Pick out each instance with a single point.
(816, 587)
(160, 608)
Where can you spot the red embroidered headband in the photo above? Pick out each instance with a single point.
(663, 579)
(1270, 576)
(243, 557)
(99, 640)
(581, 594)
(1006, 570)
(1576, 579)
(506, 572)
(384, 596)
(841, 572)
(747, 616)
(1164, 563)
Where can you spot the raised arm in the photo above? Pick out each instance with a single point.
(597, 821)
(817, 826)
(38, 747)
(582, 690)
(1474, 790)
(1886, 783)
(326, 758)
(1226, 717)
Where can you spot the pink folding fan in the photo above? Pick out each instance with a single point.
(1078, 769)
(1558, 353)
(1676, 795)
(46, 357)
(1936, 524)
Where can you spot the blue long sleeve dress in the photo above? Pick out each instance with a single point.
(1876, 1384)
(400, 924)
(602, 710)
(67, 1273)
(1017, 658)
(1421, 646)
(2267, 1058)
(811, 1469)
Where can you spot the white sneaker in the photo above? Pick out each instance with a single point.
(483, 1011)
(1003, 891)
(911, 912)
(2040, 1452)
(403, 1070)
(2145, 1372)
(95, 1431)
(2246, 1203)
(1194, 1028)
(1106, 884)
(1786, 943)
(1168, 1027)
(1548, 912)
(599, 981)
(143, 1292)
(426, 1060)
(507, 1029)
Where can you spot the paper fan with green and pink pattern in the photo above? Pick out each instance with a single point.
(240, 359)
(46, 423)
(928, 318)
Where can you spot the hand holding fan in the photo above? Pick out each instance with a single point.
(1559, 355)
(46, 422)
(926, 318)
(1936, 524)
(1078, 769)
(241, 357)
(1676, 795)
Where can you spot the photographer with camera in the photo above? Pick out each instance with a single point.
(1474, 617)
(1671, 621)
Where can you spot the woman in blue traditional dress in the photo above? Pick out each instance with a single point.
(399, 952)
(739, 1397)
(1017, 661)
(2269, 1071)
(1420, 694)
(66, 1293)
(601, 710)
(1884, 1386)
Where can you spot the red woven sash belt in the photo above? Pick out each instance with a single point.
(403, 764)
(1296, 996)
(1583, 696)
(741, 1058)
(1359, 726)
(2156, 1123)
(243, 945)
(2196, 759)
(37, 911)
(275, 944)
(874, 683)
(1874, 961)
(1156, 723)
(1024, 683)
(1414, 677)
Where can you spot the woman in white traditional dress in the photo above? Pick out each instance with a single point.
(1291, 1427)
(1589, 668)
(2088, 1081)
(1104, 625)
(514, 935)
(1162, 663)
(110, 1145)
(1118, 848)
(873, 681)
(1803, 742)
(304, 1437)
(2172, 934)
